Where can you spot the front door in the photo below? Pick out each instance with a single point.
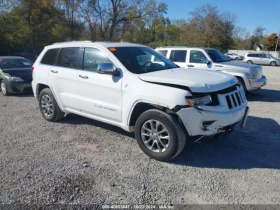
(99, 94)
(195, 61)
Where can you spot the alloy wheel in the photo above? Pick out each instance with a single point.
(47, 105)
(155, 136)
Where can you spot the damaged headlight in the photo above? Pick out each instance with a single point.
(195, 102)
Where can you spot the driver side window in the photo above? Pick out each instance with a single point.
(93, 57)
(196, 56)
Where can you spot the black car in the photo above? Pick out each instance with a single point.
(15, 75)
(28, 56)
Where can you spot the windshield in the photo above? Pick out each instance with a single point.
(217, 56)
(139, 60)
(11, 63)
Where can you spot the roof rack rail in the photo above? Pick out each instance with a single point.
(71, 42)
(173, 46)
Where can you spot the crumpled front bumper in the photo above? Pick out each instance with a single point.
(211, 120)
(197, 121)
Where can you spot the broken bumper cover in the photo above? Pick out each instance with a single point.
(207, 123)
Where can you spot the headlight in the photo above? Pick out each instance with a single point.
(255, 73)
(17, 79)
(14, 79)
(195, 102)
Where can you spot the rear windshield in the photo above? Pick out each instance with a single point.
(14, 63)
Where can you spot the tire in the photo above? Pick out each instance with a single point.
(273, 63)
(236, 58)
(162, 149)
(241, 82)
(4, 89)
(48, 106)
(250, 62)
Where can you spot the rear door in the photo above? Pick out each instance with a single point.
(63, 77)
(99, 94)
(179, 57)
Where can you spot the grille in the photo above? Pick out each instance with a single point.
(235, 99)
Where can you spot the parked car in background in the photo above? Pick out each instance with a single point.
(248, 75)
(28, 56)
(15, 75)
(234, 56)
(261, 58)
(134, 87)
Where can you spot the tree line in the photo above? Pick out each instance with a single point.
(29, 25)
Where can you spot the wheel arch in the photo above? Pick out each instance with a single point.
(141, 107)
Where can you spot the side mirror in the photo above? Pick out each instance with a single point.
(204, 60)
(107, 68)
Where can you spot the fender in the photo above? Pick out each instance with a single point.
(243, 76)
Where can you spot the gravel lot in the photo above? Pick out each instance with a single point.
(82, 161)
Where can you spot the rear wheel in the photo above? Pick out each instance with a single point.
(273, 63)
(4, 89)
(49, 107)
(159, 135)
(250, 62)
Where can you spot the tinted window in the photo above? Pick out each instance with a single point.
(50, 57)
(15, 63)
(93, 57)
(197, 56)
(70, 57)
(216, 56)
(163, 52)
(178, 55)
(140, 60)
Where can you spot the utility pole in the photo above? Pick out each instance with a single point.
(277, 41)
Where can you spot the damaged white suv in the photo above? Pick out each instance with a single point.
(134, 87)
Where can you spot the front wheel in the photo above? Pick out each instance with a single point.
(4, 89)
(48, 106)
(273, 63)
(250, 62)
(159, 135)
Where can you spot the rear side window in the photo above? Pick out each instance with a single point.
(163, 52)
(71, 57)
(93, 57)
(178, 55)
(50, 57)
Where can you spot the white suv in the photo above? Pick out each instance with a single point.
(248, 75)
(134, 87)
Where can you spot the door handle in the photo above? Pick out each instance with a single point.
(83, 76)
(190, 65)
(54, 71)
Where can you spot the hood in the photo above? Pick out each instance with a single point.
(198, 81)
(23, 73)
(237, 66)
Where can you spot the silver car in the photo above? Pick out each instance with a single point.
(234, 56)
(262, 59)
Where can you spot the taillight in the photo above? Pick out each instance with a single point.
(32, 69)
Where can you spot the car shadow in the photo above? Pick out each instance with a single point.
(265, 95)
(24, 95)
(255, 146)
(80, 120)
